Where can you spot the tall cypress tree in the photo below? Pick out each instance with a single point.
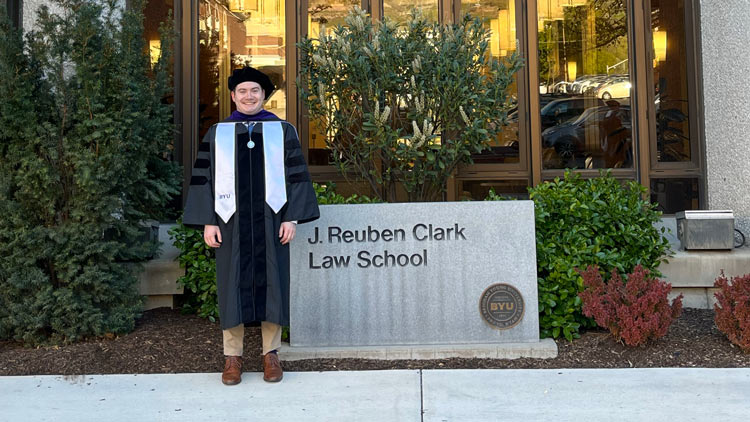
(84, 138)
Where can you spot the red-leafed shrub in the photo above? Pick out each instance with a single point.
(635, 311)
(733, 309)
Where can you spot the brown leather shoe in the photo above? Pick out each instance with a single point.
(232, 370)
(272, 371)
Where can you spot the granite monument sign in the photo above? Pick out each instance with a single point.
(415, 273)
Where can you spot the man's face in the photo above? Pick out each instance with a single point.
(248, 96)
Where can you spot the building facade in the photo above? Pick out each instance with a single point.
(649, 89)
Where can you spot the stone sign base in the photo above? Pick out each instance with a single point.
(453, 273)
(543, 349)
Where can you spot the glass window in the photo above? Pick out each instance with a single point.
(674, 195)
(246, 33)
(327, 14)
(323, 15)
(398, 10)
(478, 190)
(670, 79)
(154, 14)
(584, 84)
(499, 17)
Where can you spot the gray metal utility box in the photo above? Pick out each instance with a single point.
(705, 229)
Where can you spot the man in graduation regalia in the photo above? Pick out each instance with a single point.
(249, 189)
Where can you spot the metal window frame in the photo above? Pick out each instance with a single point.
(186, 87)
(538, 173)
(695, 168)
(692, 167)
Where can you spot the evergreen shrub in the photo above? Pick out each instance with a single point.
(405, 104)
(732, 309)
(635, 312)
(199, 281)
(83, 141)
(200, 263)
(582, 222)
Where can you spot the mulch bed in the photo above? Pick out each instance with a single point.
(166, 341)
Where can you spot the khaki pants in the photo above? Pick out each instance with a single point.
(233, 338)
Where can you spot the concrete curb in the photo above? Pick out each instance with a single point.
(544, 349)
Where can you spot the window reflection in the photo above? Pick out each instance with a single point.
(675, 195)
(323, 15)
(398, 10)
(327, 15)
(233, 34)
(584, 84)
(478, 190)
(154, 14)
(499, 17)
(670, 77)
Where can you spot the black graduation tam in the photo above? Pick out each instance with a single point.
(250, 74)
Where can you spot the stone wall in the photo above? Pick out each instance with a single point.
(31, 7)
(725, 37)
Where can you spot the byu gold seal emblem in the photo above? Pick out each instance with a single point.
(501, 306)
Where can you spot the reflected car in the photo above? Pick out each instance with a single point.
(561, 87)
(617, 88)
(558, 111)
(607, 129)
(592, 83)
(577, 86)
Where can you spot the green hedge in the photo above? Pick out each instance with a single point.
(580, 222)
(199, 280)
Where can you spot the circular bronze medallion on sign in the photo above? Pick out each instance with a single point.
(501, 306)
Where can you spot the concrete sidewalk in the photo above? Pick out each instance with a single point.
(405, 395)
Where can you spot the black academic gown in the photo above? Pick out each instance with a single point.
(252, 266)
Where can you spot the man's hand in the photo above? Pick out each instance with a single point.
(287, 231)
(212, 236)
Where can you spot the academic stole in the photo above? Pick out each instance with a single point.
(225, 201)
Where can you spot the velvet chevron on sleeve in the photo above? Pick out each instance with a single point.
(302, 203)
